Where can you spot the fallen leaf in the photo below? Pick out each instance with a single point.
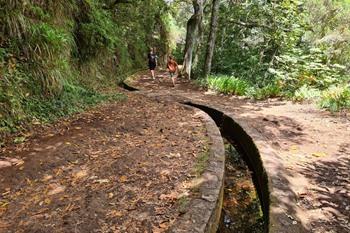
(163, 225)
(80, 174)
(47, 201)
(114, 213)
(19, 163)
(56, 189)
(3, 204)
(319, 154)
(123, 179)
(294, 148)
(47, 178)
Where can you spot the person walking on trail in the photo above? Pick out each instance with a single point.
(152, 62)
(172, 67)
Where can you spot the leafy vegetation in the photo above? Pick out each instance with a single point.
(227, 85)
(73, 99)
(290, 48)
(306, 93)
(57, 57)
(336, 98)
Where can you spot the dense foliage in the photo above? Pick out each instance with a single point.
(56, 56)
(279, 48)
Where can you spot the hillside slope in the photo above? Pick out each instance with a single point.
(57, 56)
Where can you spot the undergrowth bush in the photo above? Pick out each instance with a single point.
(298, 68)
(306, 93)
(73, 98)
(235, 86)
(336, 98)
(227, 85)
(259, 93)
(292, 49)
(57, 57)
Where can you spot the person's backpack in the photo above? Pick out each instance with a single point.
(152, 58)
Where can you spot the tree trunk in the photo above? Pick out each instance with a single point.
(212, 37)
(198, 44)
(191, 36)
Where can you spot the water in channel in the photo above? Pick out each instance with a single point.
(241, 211)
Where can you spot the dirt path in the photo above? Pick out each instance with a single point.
(314, 146)
(118, 168)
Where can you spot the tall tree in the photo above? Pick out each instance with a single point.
(192, 35)
(212, 37)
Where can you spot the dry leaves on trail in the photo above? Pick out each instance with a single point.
(118, 167)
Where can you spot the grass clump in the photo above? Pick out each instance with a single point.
(227, 84)
(202, 161)
(182, 204)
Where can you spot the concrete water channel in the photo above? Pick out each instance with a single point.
(241, 153)
(244, 173)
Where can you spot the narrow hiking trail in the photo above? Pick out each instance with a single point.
(120, 167)
(312, 145)
(125, 166)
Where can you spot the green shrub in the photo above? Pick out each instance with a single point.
(96, 30)
(298, 68)
(227, 85)
(200, 82)
(260, 93)
(48, 36)
(306, 93)
(11, 111)
(59, 57)
(74, 98)
(336, 98)
(38, 12)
